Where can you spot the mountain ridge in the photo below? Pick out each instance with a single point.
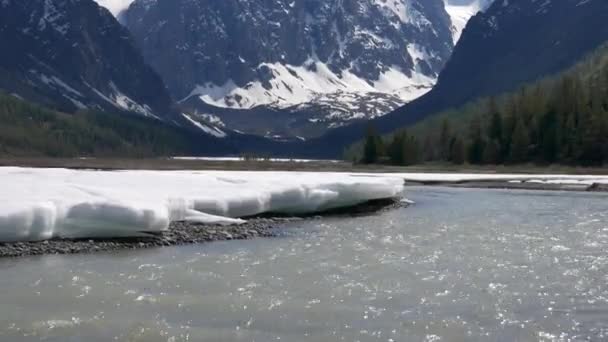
(488, 60)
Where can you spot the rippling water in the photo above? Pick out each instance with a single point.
(459, 265)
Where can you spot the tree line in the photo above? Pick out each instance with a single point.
(30, 130)
(561, 119)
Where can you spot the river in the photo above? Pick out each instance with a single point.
(458, 265)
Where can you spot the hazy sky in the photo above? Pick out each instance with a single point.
(115, 6)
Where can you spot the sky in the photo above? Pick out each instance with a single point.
(115, 6)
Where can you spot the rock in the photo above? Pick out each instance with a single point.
(598, 187)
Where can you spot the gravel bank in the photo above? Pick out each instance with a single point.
(184, 233)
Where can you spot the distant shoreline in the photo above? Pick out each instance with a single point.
(510, 185)
(175, 164)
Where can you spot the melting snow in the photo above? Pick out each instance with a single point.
(39, 204)
(214, 131)
(292, 85)
(115, 6)
(460, 12)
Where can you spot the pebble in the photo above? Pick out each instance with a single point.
(180, 233)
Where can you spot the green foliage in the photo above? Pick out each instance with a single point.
(562, 119)
(374, 147)
(31, 130)
(404, 150)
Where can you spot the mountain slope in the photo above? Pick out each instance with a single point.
(513, 42)
(28, 130)
(461, 11)
(559, 119)
(285, 53)
(73, 54)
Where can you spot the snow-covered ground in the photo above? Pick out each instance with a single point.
(39, 204)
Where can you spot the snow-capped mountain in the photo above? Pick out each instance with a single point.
(461, 11)
(508, 45)
(242, 54)
(73, 54)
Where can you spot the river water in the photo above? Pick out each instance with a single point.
(459, 265)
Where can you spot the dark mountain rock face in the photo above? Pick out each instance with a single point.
(513, 42)
(73, 54)
(245, 53)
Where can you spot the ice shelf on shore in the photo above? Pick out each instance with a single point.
(40, 204)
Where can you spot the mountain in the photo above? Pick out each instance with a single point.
(560, 119)
(315, 63)
(461, 11)
(30, 130)
(73, 55)
(511, 43)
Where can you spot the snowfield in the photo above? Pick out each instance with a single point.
(40, 204)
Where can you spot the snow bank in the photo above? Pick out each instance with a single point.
(39, 204)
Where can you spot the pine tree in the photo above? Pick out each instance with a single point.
(411, 151)
(491, 153)
(396, 149)
(548, 137)
(495, 129)
(519, 143)
(445, 137)
(457, 152)
(373, 147)
(477, 143)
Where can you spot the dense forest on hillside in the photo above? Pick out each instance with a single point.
(30, 130)
(558, 120)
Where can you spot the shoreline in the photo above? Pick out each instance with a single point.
(511, 185)
(173, 164)
(187, 233)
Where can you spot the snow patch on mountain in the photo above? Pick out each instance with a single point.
(292, 85)
(461, 11)
(115, 6)
(214, 131)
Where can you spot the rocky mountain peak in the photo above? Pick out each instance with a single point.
(73, 54)
(242, 54)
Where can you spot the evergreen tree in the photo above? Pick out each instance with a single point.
(411, 151)
(519, 143)
(445, 138)
(457, 151)
(396, 150)
(548, 138)
(495, 130)
(477, 143)
(372, 150)
(491, 153)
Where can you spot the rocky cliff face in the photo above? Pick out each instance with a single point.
(241, 54)
(73, 54)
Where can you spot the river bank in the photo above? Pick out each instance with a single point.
(187, 233)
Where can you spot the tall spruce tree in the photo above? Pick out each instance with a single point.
(372, 150)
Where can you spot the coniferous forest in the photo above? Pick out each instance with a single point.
(562, 119)
(31, 130)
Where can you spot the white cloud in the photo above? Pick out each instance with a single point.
(115, 6)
